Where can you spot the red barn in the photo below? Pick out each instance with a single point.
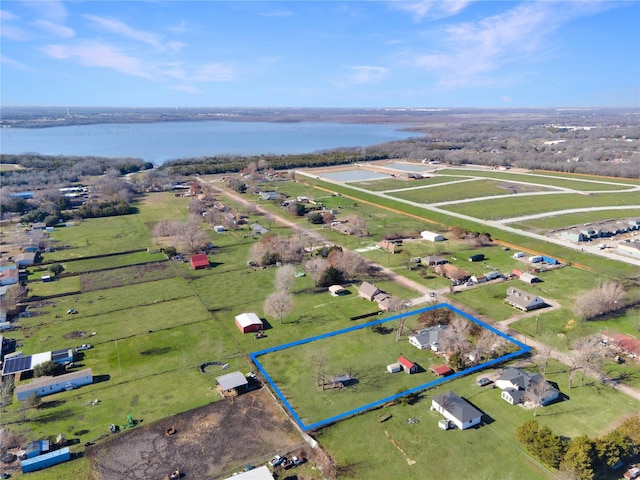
(440, 370)
(407, 365)
(199, 261)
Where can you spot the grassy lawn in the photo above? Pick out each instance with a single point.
(496, 209)
(581, 183)
(100, 263)
(463, 190)
(373, 450)
(385, 184)
(363, 353)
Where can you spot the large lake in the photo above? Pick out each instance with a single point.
(159, 142)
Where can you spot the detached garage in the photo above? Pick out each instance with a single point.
(248, 322)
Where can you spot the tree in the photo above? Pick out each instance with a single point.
(630, 428)
(56, 269)
(605, 298)
(320, 361)
(315, 267)
(315, 218)
(538, 392)
(331, 276)
(578, 458)
(14, 295)
(6, 391)
(349, 262)
(586, 354)
(285, 276)
(612, 448)
(278, 305)
(45, 369)
(191, 237)
(33, 401)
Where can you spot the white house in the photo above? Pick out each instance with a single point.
(427, 339)
(524, 301)
(431, 236)
(457, 410)
(42, 386)
(518, 387)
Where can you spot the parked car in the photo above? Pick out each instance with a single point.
(72, 311)
(277, 460)
(84, 346)
(483, 381)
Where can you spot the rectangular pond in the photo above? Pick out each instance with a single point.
(355, 175)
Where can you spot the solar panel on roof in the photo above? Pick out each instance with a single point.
(15, 365)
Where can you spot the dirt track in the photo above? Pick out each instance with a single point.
(208, 441)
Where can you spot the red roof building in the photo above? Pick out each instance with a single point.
(199, 261)
(440, 370)
(407, 365)
(628, 344)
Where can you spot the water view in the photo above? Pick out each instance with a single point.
(159, 142)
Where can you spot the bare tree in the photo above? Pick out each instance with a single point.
(603, 299)
(349, 262)
(358, 227)
(320, 362)
(538, 391)
(6, 391)
(278, 305)
(586, 354)
(315, 267)
(191, 238)
(285, 276)
(13, 296)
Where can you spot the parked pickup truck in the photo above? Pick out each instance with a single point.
(277, 460)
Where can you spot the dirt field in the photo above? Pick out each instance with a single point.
(210, 442)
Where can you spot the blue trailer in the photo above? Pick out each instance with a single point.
(550, 260)
(47, 460)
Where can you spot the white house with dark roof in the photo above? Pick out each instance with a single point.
(427, 339)
(524, 301)
(457, 410)
(517, 387)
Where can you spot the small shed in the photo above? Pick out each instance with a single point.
(478, 257)
(248, 322)
(394, 368)
(219, 228)
(518, 255)
(407, 365)
(431, 236)
(199, 261)
(527, 277)
(232, 384)
(440, 370)
(337, 290)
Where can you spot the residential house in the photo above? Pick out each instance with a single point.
(8, 275)
(524, 301)
(518, 387)
(432, 260)
(25, 259)
(258, 229)
(452, 272)
(368, 291)
(457, 410)
(42, 386)
(427, 339)
(388, 246)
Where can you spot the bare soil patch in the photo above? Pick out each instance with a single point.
(206, 443)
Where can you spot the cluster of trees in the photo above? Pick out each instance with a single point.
(481, 239)
(582, 458)
(333, 265)
(272, 249)
(46, 170)
(605, 298)
(107, 208)
(228, 164)
(187, 237)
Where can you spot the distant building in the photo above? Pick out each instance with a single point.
(43, 386)
(232, 384)
(248, 322)
(431, 236)
(524, 301)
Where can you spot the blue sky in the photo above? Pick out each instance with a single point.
(398, 53)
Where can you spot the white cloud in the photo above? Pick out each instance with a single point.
(215, 72)
(367, 74)
(6, 15)
(114, 25)
(94, 54)
(474, 51)
(55, 28)
(52, 10)
(185, 88)
(10, 62)
(507, 98)
(431, 9)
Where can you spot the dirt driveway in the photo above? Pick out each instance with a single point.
(209, 442)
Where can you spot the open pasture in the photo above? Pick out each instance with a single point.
(579, 219)
(397, 184)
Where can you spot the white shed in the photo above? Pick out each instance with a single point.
(248, 322)
(518, 255)
(394, 368)
(431, 236)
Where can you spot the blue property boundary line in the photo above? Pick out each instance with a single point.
(254, 357)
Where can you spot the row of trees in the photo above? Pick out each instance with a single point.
(582, 458)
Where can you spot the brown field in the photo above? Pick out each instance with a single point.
(210, 442)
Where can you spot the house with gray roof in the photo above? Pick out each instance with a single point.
(524, 301)
(518, 387)
(427, 339)
(368, 291)
(457, 410)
